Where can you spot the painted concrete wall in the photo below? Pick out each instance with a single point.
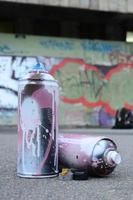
(105, 5)
(95, 79)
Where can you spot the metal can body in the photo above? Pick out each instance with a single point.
(97, 155)
(37, 126)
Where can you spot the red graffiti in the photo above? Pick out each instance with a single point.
(86, 66)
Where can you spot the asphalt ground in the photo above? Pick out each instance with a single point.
(117, 186)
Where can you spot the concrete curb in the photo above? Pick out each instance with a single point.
(102, 131)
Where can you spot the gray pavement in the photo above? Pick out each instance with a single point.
(117, 186)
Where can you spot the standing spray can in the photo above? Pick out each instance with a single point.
(37, 125)
(96, 155)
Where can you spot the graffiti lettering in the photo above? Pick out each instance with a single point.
(4, 48)
(85, 84)
(98, 46)
(60, 45)
(90, 82)
(116, 57)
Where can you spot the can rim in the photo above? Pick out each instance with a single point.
(45, 76)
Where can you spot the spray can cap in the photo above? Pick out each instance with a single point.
(39, 67)
(113, 157)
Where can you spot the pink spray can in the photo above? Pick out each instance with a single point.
(97, 155)
(37, 125)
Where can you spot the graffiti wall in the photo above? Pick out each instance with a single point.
(11, 69)
(92, 87)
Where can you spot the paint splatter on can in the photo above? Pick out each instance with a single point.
(37, 125)
(96, 154)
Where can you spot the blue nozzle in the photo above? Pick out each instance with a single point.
(39, 67)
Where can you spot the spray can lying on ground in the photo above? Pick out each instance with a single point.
(37, 125)
(96, 155)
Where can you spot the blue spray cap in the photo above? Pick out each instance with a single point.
(38, 67)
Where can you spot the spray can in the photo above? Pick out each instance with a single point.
(37, 125)
(97, 155)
